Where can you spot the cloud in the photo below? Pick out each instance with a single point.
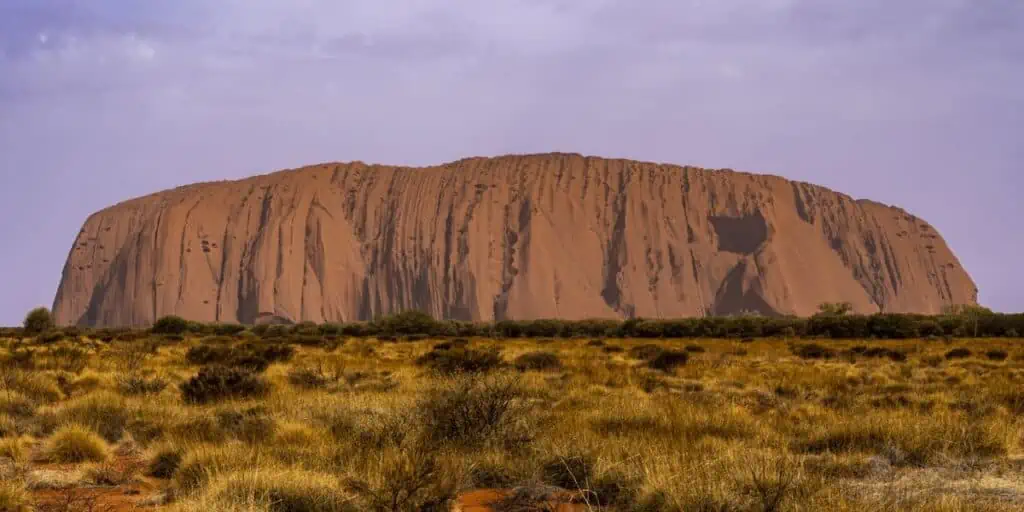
(105, 99)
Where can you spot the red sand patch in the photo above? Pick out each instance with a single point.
(118, 498)
(484, 500)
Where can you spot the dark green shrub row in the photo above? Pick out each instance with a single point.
(412, 325)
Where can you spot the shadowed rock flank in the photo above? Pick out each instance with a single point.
(556, 235)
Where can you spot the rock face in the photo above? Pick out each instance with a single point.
(552, 236)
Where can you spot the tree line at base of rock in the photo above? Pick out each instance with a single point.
(833, 321)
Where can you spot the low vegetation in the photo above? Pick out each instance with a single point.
(333, 417)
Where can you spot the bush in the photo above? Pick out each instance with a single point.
(668, 360)
(49, 337)
(74, 444)
(471, 413)
(164, 462)
(695, 349)
(997, 355)
(170, 325)
(491, 476)
(308, 340)
(407, 322)
(614, 490)
(813, 351)
(896, 356)
(215, 383)
(308, 378)
(596, 343)
(135, 385)
(228, 329)
(958, 353)
(453, 361)
(38, 321)
(253, 356)
(538, 361)
(645, 352)
(573, 472)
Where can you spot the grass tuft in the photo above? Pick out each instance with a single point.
(75, 443)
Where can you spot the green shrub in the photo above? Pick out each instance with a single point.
(74, 444)
(170, 325)
(453, 361)
(472, 412)
(215, 383)
(668, 360)
(645, 352)
(407, 322)
(49, 337)
(997, 355)
(538, 361)
(228, 329)
(958, 353)
(253, 356)
(305, 377)
(38, 321)
(813, 351)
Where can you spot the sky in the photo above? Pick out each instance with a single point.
(916, 103)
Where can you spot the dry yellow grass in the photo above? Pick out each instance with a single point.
(740, 426)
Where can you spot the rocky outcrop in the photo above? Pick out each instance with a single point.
(555, 235)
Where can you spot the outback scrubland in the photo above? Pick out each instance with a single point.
(310, 418)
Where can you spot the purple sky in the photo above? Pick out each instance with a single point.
(918, 103)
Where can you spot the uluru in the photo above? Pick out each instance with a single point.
(512, 237)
